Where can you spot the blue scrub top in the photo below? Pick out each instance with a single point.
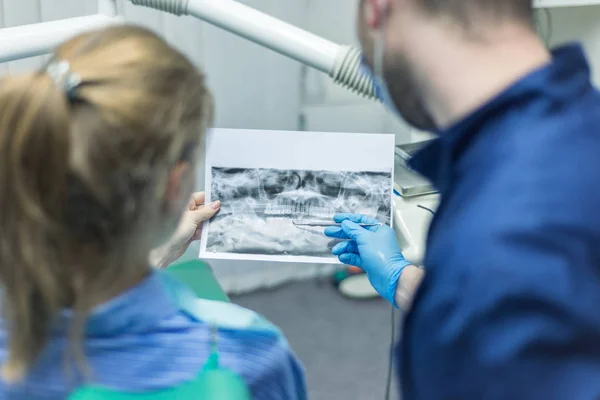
(510, 305)
(156, 336)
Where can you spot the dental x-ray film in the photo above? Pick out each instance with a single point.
(274, 186)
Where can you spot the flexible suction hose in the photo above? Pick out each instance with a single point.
(342, 63)
(177, 7)
(347, 73)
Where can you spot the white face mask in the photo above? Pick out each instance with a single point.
(413, 110)
(408, 102)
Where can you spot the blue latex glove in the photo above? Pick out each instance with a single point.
(373, 249)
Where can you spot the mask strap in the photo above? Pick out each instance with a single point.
(379, 45)
(378, 71)
(378, 55)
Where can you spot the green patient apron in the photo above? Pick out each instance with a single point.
(212, 383)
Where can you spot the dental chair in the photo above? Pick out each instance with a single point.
(213, 382)
(199, 276)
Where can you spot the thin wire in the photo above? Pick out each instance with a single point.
(426, 209)
(550, 27)
(388, 386)
(549, 31)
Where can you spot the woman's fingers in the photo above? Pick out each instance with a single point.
(205, 212)
(198, 199)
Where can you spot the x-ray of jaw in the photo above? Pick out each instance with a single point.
(258, 207)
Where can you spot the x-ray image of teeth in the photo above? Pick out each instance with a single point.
(258, 207)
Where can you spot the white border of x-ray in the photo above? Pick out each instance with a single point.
(330, 151)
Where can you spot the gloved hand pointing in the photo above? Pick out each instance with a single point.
(374, 249)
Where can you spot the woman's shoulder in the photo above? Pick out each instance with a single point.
(248, 344)
(219, 314)
(229, 316)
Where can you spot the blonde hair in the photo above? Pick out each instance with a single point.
(81, 173)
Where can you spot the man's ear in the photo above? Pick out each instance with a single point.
(176, 190)
(375, 11)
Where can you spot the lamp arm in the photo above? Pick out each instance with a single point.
(341, 63)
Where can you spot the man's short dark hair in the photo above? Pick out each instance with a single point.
(470, 11)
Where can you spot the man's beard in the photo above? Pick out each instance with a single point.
(401, 82)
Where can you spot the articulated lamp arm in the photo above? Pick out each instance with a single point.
(341, 63)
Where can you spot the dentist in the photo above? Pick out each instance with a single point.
(508, 306)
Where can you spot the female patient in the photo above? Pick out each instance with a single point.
(97, 158)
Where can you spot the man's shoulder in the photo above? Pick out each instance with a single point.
(546, 167)
(558, 132)
(536, 211)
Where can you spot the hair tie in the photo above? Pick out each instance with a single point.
(60, 72)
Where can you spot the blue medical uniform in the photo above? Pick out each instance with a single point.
(153, 337)
(510, 305)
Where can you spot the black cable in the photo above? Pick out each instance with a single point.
(550, 27)
(426, 209)
(546, 36)
(388, 387)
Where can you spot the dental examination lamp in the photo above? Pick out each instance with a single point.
(341, 63)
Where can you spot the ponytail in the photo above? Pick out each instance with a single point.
(84, 158)
(34, 164)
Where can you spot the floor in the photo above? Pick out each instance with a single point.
(343, 344)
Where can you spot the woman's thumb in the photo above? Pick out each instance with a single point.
(205, 212)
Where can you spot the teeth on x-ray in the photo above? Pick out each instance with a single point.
(259, 205)
(299, 210)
